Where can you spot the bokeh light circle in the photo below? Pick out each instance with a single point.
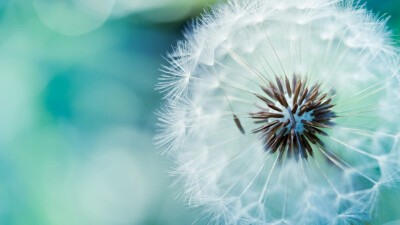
(73, 17)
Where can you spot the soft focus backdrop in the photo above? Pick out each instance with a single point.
(77, 106)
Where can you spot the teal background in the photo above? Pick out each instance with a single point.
(77, 104)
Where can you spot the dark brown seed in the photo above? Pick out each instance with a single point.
(322, 120)
(309, 129)
(319, 113)
(317, 139)
(295, 108)
(266, 126)
(310, 107)
(296, 147)
(313, 95)
(303, 150)
(238, 124)
(283, 147)
(268, 92)
(269, 141)
(262, 115)
(326, 102)
(316, 104)
(275, 128)
(290, 144)
(285, 103)
(294, 82)
(313, 88)
(309, 137)
(261, 121)
(274, 107)
(278, 140)
(322, 97)
(314, 124)
(303, 96)
(319, 131)
(272, 85)
(307, 145)
(274, 146)
(286, 123)
(264, 99)
(284, 144)
(281, 99)
(315, 130)
(303, 109)
(324, 106)
(296, 92)
(278, 82)
(289, 91)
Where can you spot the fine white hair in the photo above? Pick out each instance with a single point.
(210, 86)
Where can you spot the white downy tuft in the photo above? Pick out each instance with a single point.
(213, 88)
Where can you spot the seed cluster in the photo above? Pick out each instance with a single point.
(294, 117)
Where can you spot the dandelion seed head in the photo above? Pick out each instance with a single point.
(283, 112)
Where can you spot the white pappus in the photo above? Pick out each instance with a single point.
(284, 112)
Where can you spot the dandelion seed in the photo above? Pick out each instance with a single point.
(284, 112)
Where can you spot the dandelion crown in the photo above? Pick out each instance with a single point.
(284, 112)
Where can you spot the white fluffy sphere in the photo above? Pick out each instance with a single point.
(247, 149)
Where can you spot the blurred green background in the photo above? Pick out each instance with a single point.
(77, 110)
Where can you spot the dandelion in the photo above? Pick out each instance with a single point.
(284, 112)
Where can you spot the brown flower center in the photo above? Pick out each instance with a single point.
(294, 117)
